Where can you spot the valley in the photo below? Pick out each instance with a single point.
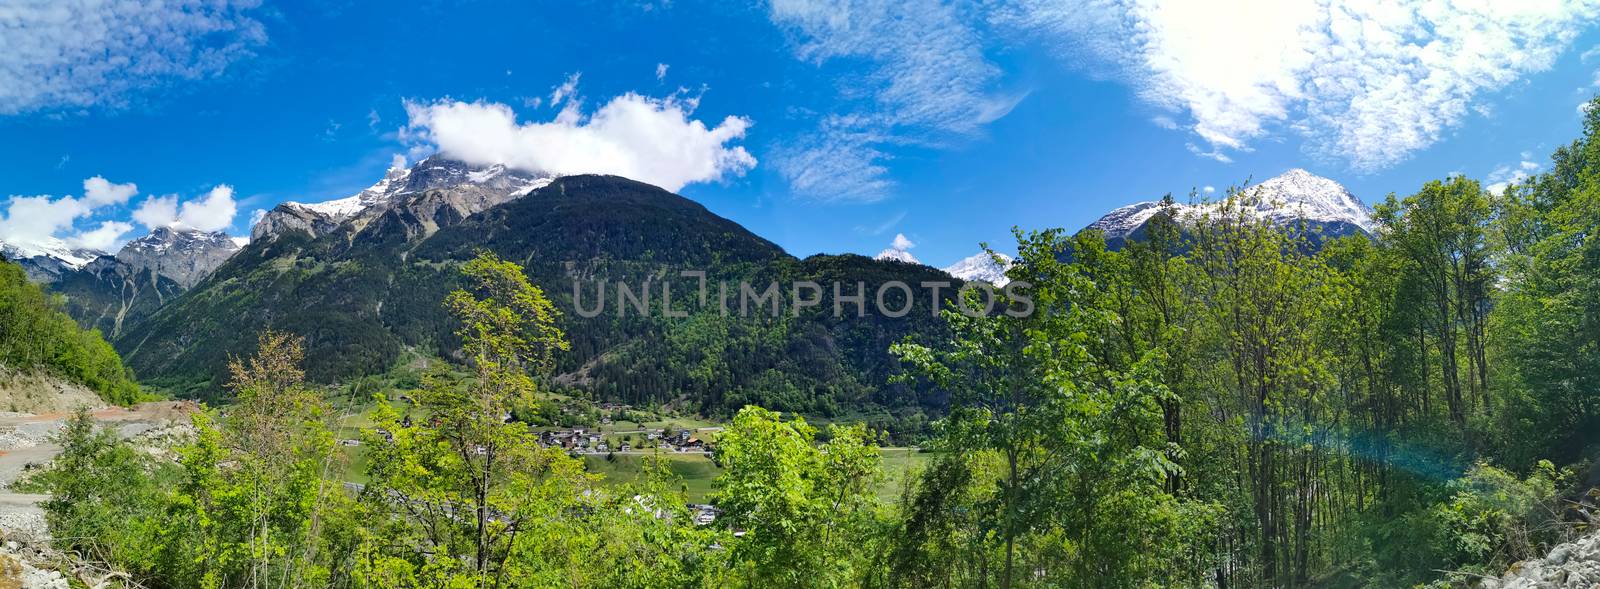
(1184, 386)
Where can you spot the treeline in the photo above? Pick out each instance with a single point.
(36, 336)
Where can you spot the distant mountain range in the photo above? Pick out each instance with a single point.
(1320, 207)
(362, 277)
(363, 282)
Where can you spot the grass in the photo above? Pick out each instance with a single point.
(899, 465)
(696, 470)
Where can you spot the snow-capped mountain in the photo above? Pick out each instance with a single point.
(45, 260)
(184, 255)
(897, 255)
(1292, 196)
(473, 187)
(982, 267)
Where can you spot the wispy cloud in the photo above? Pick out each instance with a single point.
(1506, 174)
(882, 227)
(1365, 83)
(75, 54)
(928, 81)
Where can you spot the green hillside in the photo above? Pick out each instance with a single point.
(36, 335)
(363, 295)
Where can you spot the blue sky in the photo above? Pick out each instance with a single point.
(823, 126)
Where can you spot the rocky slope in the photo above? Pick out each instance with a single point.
(1572, 565)
(37, 392)
(462, 188)
(183, 255)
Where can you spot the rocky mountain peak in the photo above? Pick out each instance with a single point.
(480, 184)
(184, 255)
(1301, 194)
(1293, 195)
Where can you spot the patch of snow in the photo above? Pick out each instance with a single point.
(486, 174)
(897, 255)
(981, 267)
(532, 185)
(1293, 195)
(52, 248)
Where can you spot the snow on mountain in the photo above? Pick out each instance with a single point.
(184, 255)
(52, 248)
(47, 259)
(899, 250)
(393, 181)
(982, 267)
(489, 185)
(1291, 196)
(1298, 194)
(896, 255)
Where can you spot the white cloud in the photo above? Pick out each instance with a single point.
(213, 212)
(106, 237)
(661, 71)
(928, 82)
(647, 139)
(157, 211)
(256, 216)
(566, 90)
(899, 250)
(1369, 83)
(99, 191)
(1507, 174)
(70, 54)
(37, 219)
(901, 242)
(46, 221)
(1209, 189)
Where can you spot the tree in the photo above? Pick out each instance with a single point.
(474, 483)
(805, 507)
(1079, 444)
(1441, 232)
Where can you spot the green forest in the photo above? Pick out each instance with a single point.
(1225, 403)
(36, 335)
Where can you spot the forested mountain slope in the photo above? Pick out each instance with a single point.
(366, 291)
